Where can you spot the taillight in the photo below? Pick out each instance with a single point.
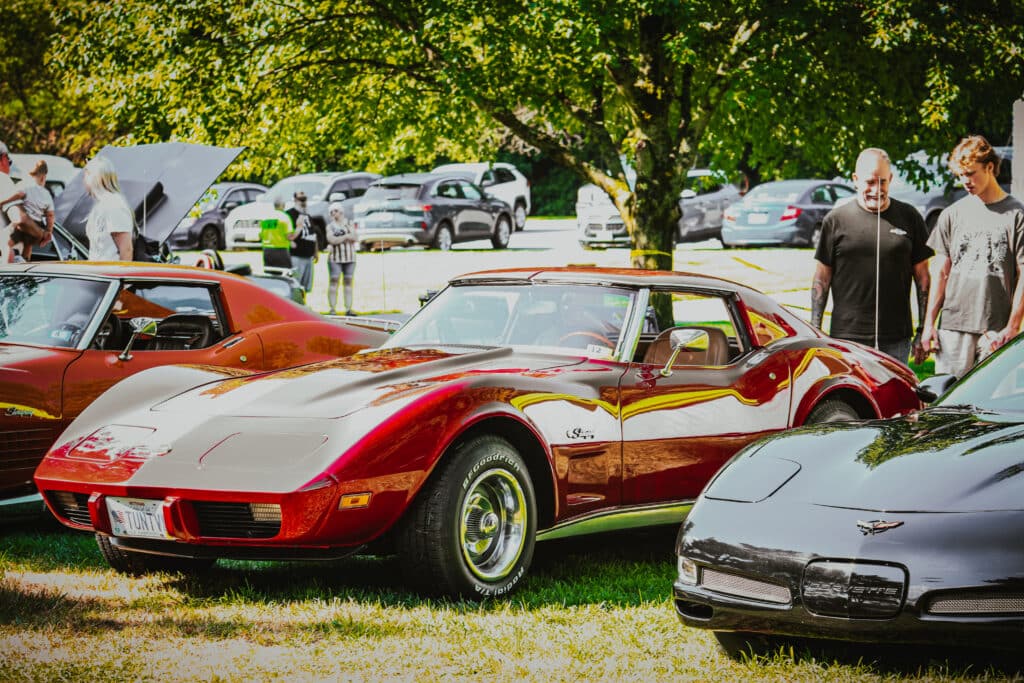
(730, 216)
(791, 213)
(426, 207)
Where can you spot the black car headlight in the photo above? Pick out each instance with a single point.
(750, 479)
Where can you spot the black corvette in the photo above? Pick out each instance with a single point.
(909, 530)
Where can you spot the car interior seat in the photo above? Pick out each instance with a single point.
(717, 352)
(183, 332)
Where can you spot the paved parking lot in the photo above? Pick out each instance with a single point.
(393, 280)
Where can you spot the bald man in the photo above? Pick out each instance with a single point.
(870, 250)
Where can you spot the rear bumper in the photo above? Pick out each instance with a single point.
(763, 235)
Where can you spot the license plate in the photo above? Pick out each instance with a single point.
(136, 517)
(604, 235)
(757, 218)
(251, 235)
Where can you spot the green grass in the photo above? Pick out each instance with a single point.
(593, 609)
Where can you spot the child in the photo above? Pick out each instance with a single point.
(36, 223)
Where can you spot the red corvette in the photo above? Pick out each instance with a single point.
(514, 406)
(69, 331)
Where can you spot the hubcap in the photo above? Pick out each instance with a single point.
(504, 231)
(444, 243)
(493, 524)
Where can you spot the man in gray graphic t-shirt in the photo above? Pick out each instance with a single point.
(979, 252)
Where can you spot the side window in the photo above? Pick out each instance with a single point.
(343, 187)
(708, 316)
(821, 195)
(503, 175)
(842, 192)
(449, 190)
(236, 196)
(179, 309)
(469, 191)
(488, 177)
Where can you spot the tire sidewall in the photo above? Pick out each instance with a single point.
(477, 457)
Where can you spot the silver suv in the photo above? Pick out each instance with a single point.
(500, 180)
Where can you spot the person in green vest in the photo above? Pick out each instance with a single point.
(274, 232)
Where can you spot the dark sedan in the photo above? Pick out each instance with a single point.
(889, 531)
(432, 209)
(203, 227)
(784, 212)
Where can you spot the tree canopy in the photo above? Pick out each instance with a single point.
(771, 86)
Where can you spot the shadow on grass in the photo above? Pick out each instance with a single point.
(900, 660)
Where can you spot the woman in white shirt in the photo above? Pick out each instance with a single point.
(110, 223)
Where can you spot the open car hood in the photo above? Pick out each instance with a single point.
(161, 182)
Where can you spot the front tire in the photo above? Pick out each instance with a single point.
(138, 564)
(208, 238)
(471, 531)
(832, 410)
(502, 232)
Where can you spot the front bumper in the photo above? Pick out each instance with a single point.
(951, 579)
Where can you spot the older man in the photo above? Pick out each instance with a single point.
(869, 251)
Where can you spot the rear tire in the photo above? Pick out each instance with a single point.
(832, 410)
(443, 238)
(471, 530)
(209, 239)
(138, 564)
(520, 216)
(502, 233)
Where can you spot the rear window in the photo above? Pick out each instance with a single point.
(783, 192)
(392, 192)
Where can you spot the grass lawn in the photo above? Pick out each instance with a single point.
(594, 609)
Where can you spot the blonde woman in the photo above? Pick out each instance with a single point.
(111, 222)
(341, 257)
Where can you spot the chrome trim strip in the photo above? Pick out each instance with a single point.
(616, 520)
(32, 504)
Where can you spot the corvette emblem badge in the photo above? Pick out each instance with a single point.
(876, 526)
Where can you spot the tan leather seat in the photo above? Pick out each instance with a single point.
(717, 352)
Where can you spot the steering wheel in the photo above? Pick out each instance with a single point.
(605, 341)
(108, 334)
(68, 332)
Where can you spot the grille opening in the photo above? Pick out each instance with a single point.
(72, 506)
(974, 603)
(694, 610)
(238, 520)
(742, 587)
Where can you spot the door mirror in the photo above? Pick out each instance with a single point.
(933, 387)
(683, 339)
(687, 194)
(142, 328)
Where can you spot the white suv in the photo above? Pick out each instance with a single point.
(500, 180)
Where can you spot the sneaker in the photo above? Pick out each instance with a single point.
(332, 312)
(350, 312)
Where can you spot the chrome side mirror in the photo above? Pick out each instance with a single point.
(933, 387)
(142, 328)
(681, 339)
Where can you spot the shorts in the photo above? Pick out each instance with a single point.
(959, 352)
(33, 235)
(337, 269)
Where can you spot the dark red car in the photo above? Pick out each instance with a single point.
(514, 406)
(69, 331)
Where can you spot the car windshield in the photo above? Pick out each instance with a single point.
(997, 384)
(782, 192)
(561, 318)
(46, 310)
(207, 201)
(314, 189)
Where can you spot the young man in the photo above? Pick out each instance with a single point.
(869, 251)
(274, 230)
(977, 296)
(304, 242)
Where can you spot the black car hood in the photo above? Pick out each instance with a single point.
(161, 182)
(939, 460)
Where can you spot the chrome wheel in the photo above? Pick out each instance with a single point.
(493, 523)
(502, 233)
(443, 238)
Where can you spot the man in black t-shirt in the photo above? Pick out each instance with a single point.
(304, 241)
(869, 251)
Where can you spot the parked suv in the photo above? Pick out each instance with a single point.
(203, 227)
(701, 203)
(433, 209)
(500, 180)
(242, 224)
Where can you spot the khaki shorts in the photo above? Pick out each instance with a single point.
(960, 351)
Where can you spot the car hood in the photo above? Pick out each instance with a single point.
(334, 389)
(938, 460)
(162, 182)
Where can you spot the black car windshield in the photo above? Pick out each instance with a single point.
(46, 310)
(997, 384)
(562, 318)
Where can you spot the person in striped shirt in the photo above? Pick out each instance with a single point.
(341, 256)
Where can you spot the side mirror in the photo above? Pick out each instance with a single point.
(681, 339)
(933, 387)
(338, 197)
(229, 205)
(687, 194)
(142, 328)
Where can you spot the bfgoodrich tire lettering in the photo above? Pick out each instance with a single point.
(471, 531)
